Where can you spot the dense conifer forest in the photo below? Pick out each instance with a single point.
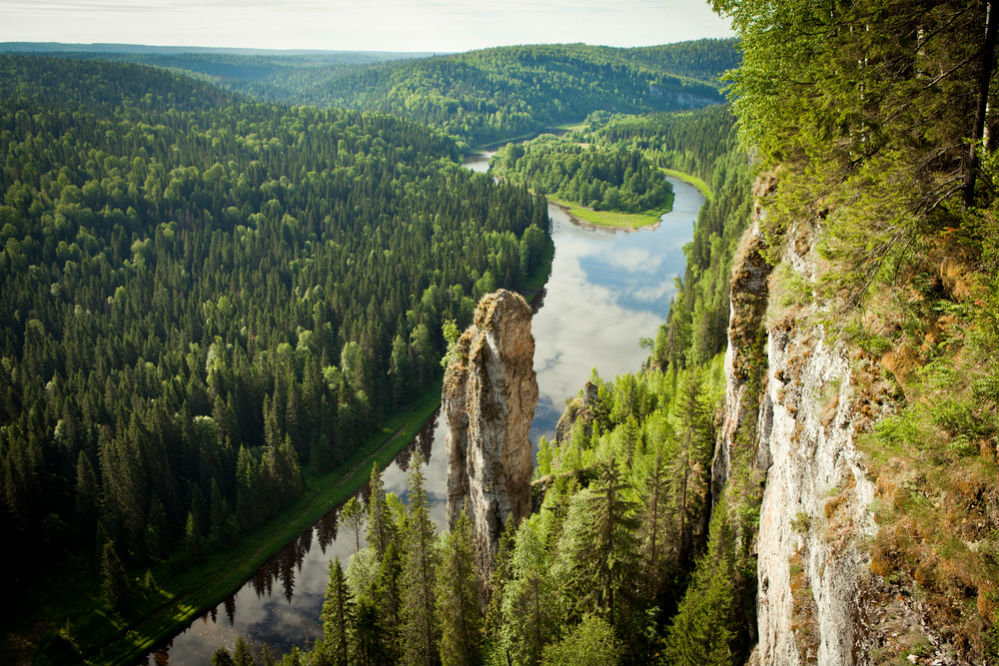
(632, 556)
(603, 178)
(624, 560)
(191, 329)
(480, 96)
(204, 296)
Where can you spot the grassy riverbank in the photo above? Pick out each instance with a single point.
(612, 219)
(64, 620)
(80, 630)
(701, 186)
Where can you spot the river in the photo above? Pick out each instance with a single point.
(607, 289)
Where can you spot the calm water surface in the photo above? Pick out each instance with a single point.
(606, 291)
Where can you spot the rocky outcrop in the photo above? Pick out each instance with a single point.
(578, 410)
(799, 400)
(490, 392)
(743, 356)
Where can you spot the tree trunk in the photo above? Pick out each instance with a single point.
(984, 79)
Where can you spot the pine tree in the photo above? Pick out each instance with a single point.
(419, 625)
(246, 489)
(701, 629)
(87, 492)
(334, 650)
(659, 546)
(597, 563)
(380, 528)
(114, 585)
(388, 598)
(690, 468)
(193, 540)
(530, 604)
(241, 655)
(222, 657)
(458, 609)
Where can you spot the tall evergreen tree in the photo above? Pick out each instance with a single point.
(690, 468)
(336, 616)
(459, 611)
(701, 630)
(241, 655)
(380, 527)
(531, 611)
(419, 567)
(659, 546)
(114, 584)
(597, 564)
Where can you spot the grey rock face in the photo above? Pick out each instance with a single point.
(490, 392)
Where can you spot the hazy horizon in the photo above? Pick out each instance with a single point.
(432, 26)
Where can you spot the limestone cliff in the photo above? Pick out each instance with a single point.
(803, 399)
(490, 392)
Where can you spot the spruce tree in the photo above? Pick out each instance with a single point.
(597, 563)
(419, 566)
(690, 468)
(700, 633)
(114, 585)
(530, 604)
(241, 655)
(222, 657)
(389, 605)
(334, 649)
(380, 528)
(458, 609)
(659, 545)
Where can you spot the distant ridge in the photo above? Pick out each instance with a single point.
(144, 49)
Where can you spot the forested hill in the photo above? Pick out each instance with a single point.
(497, 93)
(203, 304)
(479, 96)
(51, 82)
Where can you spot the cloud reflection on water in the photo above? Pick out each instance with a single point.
(606, 290)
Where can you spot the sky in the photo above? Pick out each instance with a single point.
(369, 25)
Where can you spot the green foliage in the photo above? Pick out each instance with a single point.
(865, 109)
(492, 94)
(603, 178)
(419, 629)
(530, 610)
(334, 648)
(801, 523)
(222, 657)
(478, 96)
(380, 527)
(114, 584)
(458, 611)
(701, 631)
(352, 517)
(696, 327)
(189, 317)
(597, 552)
(241, 655)
(688, 141)
(590, 643)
